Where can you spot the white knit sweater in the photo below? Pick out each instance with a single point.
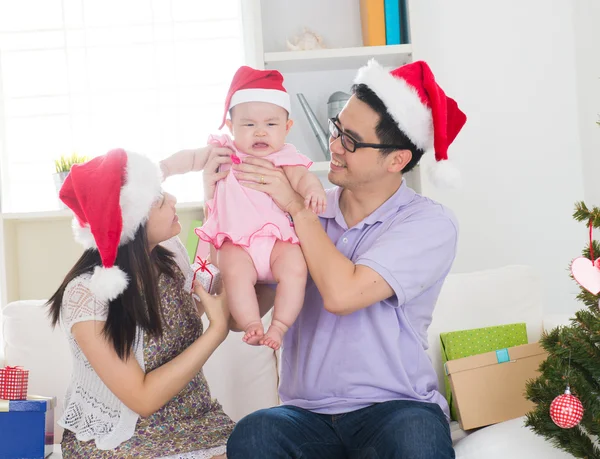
(92, 411)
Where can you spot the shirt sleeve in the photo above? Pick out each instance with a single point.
(80, 305)
(414, 254)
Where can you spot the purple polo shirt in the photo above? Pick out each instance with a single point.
(335, 364)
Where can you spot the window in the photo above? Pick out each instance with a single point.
(87, 76)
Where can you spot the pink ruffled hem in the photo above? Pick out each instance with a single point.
(267, 230)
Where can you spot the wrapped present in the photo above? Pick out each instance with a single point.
(465, 343)
(207, 273)
(13, 383)
(27, 427)
(489, 388)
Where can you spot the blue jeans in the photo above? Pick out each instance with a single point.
(399, 429)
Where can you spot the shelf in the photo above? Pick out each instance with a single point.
(59, 214)
(337, 59)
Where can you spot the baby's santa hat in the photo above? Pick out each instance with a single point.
(252, 85)
(111, 196)
(421, 109)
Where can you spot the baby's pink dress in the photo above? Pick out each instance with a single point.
(247, 217)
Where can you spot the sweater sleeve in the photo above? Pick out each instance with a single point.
(80, 305)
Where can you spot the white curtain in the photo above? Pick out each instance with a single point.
(87, 76)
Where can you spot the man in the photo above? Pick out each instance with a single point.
(355, 378)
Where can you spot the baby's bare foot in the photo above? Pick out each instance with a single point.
(254, 333)
(274, 335)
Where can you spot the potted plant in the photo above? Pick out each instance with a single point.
(63, 166)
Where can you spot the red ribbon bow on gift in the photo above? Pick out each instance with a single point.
(17, 368)
(203, 268)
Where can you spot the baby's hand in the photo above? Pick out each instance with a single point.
(316, 201)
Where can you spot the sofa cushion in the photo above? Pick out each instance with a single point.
(30, 342)
(510, 439)
(242, 377)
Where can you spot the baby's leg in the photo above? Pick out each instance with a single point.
(289, 270)
(239, 277)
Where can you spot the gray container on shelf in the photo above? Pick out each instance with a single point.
(59, 179)
(334, 105)
(336, 102)
(322, 137)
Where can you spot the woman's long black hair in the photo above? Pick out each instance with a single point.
(139, 304)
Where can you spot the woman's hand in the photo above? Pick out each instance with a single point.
(216, 157)
(260, 174)
(215, 307)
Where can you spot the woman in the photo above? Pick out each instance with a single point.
(136, 336)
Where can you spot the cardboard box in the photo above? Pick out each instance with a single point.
(490, 388)
(465, 343)
(27, 428)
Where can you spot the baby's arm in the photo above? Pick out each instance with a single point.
(308, 186)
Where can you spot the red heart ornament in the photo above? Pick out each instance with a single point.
(586, 274)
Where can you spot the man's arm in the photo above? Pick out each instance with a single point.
(344, 286)
(408, 257)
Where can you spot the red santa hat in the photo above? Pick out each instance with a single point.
(111, 196)
(421, 109)
(251, 85)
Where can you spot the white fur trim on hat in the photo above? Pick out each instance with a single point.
(272, 96)
(107, 284)
(142, 188)
(83, 234)
(402, 102)
(444, 174)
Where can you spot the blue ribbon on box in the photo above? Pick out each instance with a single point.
(502, 355)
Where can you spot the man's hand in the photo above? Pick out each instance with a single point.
(260, 174)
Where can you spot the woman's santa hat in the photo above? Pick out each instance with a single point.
(111, 196)
(252, 85)
(421, 109)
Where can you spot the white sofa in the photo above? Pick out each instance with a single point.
(245, 378)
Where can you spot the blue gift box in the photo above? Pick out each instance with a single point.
(27, 428)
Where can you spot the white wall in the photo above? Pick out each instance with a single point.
(43, 251)
(587, 53)
(511, 67)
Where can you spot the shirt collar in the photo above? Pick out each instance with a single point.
(403, 196)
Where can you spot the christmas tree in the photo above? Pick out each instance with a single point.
(573, 361)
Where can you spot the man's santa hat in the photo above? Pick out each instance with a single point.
(251, 85)
(421, 109)
(111, 196)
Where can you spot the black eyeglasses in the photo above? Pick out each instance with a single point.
(349, 143)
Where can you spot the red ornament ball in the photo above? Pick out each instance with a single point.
(566, 410)
(597, 263)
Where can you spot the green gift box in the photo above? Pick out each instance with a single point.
(465, 343)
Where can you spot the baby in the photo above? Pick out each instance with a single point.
(255, 240)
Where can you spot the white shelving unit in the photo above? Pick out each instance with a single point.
(336, 59)
(315, 73)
